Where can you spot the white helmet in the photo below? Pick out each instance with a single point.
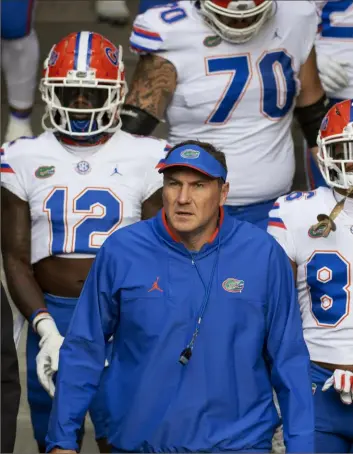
(83, 85)
(335, 141)
(250, 14)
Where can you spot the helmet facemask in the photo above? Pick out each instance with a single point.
(238, 23)
(335, 158)
(82, 107)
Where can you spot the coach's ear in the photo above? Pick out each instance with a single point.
(224, 193)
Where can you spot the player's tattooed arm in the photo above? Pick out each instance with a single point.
(153, 85)
(16, 252)
(152, 205)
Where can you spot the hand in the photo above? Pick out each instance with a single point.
(342, 380)
(48, 357)
(332, 73)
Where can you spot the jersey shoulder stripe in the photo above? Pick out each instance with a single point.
(4, 166)
(147, 34)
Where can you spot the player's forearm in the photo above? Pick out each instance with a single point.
(153, 85)
(23, 288)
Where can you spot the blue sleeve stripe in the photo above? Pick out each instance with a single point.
(276, 220)
(6, 168)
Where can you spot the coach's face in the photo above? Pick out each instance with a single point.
(191, 199)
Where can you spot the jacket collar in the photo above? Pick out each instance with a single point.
(161, 228)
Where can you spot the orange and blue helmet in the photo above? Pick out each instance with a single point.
(83, 85)
(335, 142)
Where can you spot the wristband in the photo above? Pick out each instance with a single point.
(36, 312)
(39, 318)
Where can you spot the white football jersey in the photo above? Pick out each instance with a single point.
(240, 97)
(78, 199)
(335, 38)
(325, 270)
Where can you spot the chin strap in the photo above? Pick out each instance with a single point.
(326, 223)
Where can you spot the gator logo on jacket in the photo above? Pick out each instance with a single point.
(232, 285)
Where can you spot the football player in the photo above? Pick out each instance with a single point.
(19, 62)
(114, 12)
(334, 43)
(231, 73)
(63, 194)
(316, 230)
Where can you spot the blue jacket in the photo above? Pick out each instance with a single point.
(146, 289)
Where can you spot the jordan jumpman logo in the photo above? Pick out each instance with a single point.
(155, 286)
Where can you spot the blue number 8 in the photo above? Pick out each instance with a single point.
(101, 214)
(328, 279)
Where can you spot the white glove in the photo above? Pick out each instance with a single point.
(48, 357)
(342, 380)
(332, 73)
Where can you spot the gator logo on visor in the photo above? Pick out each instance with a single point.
(45, 171)
(212, 41)
(313, 388)
(190, 154)
(233, 285)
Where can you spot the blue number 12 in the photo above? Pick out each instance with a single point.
(329, 29)
(101, 213)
